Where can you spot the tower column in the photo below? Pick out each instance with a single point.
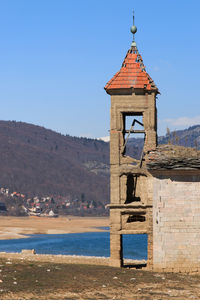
(115, 250)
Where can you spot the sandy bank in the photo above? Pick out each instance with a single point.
(19, 227)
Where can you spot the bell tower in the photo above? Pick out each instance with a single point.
(133, 111)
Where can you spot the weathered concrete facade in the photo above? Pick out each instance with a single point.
(130, 210)
(176, 220)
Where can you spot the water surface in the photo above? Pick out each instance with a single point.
(87, 244)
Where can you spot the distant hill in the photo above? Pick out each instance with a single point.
(189, 137)
(38, 161)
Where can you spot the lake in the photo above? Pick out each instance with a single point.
(87, 244)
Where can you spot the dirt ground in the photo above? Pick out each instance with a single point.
(17, 227)
(24, 279)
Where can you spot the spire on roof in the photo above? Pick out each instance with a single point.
(133, 30)
(132, 74)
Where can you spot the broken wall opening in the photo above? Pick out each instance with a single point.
(134, 247)
(133, 134)
(136, 217)
(131, 184)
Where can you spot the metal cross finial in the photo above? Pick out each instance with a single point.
(133, 30)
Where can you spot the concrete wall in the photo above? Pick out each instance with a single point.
(176, 222)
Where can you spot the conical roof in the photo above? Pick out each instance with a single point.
(132, 74)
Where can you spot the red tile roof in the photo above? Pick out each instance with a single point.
(132, 74)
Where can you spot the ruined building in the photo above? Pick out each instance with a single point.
(146, 196)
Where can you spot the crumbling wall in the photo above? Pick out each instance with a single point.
(176, 221)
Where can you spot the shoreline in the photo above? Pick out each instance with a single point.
(56, 258)
(66, 259)
(22, 227)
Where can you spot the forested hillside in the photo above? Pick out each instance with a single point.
(38, 161)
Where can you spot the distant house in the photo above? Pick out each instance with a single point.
(13, 194)
(52, 214)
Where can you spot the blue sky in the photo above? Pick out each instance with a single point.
(57, 55)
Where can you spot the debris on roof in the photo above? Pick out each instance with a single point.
(173, 157)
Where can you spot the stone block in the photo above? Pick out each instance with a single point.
(28, 251)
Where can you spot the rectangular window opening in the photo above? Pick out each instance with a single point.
(134, 135)
(136, 218)
(131, 185)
